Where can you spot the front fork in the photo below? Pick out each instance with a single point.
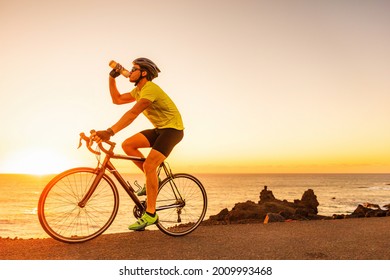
(99, 175)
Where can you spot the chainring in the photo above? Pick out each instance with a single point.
(137, 212)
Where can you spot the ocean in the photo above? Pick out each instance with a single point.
(336, 194)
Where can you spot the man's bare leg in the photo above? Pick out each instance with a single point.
(131, 146)
(152, 162)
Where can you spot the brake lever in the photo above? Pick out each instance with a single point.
(80, 143)
(91, 137)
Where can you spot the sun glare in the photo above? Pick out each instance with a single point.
(35, 162)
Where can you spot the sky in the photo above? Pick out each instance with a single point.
(263, 86)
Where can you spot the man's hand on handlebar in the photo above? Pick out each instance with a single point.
(102, 135)
(95, 138)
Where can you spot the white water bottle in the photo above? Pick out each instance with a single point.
(123, 71)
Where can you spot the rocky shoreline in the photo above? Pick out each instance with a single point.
(270, 209)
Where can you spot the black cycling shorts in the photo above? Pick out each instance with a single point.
(164, 139)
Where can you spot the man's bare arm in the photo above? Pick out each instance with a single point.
(116, 97)
(131, 115)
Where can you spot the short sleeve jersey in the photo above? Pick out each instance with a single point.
(162, 113)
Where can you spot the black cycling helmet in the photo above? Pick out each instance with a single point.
(149, 66)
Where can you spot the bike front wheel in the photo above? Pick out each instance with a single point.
(64, 219)
(181, 204)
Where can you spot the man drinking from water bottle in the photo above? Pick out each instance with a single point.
(162, 112)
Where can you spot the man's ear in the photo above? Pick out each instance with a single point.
(144, 73)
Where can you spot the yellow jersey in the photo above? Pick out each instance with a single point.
(162, 113)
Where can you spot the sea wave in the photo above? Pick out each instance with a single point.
(6, 222)
(33, 211)
(380, 188)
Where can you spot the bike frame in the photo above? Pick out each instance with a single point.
(107, 165)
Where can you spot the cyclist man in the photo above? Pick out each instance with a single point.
(156, 105)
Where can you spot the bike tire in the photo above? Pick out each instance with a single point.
(63, 219)
(182, 219)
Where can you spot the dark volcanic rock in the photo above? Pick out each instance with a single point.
(271, 209)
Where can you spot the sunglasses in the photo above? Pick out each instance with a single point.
(135, 69)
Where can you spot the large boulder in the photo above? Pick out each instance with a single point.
(309, 200)
(368, 210)
(305, 207)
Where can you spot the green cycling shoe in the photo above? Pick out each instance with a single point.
(143, 222)
(142, 191)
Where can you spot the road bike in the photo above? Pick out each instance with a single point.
(81, 203)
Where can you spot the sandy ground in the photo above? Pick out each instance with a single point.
(349, 239)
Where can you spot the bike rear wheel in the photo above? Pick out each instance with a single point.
(181, 204)
(60, 214)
